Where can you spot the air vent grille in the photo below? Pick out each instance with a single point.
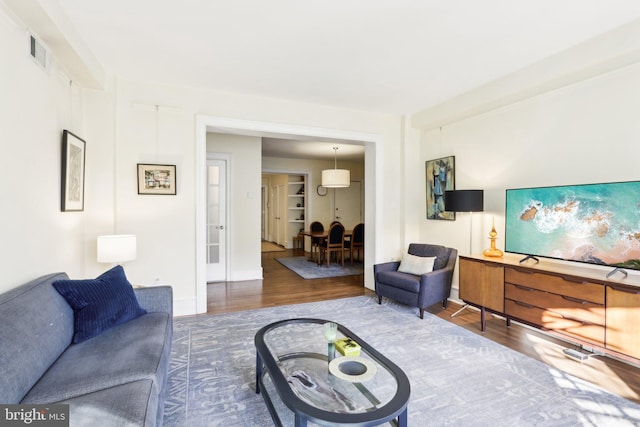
(38, 52)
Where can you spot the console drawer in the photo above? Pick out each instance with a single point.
(548, 319)
(582, 290)
(567, 306)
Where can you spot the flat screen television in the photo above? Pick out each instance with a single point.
(591, 223)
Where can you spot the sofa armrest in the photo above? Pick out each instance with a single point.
(434, 277)
(156, 298)
(386, 266)
(435, 285)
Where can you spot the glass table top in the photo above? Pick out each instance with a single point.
(313, 378)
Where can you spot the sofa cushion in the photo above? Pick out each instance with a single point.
(132, 351)
(133, 404)
(440, 252)
(36, 326)
(417, 265)
(397, 279)
(101, 303)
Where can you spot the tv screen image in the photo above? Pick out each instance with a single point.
(591, 223)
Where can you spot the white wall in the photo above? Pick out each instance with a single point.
(35, 107)
(130, 123)
(166, 226)
(584, 133)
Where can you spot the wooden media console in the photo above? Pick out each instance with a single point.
(573, 302)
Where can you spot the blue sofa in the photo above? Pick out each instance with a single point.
(117, 378)
(421, 290)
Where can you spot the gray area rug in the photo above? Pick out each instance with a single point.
(311, 270)
(457, 378)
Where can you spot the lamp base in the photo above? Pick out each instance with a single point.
(493, 252)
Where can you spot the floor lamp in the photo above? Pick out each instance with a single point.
(464, 201)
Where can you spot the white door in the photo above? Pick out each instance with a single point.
(264, 218)
(216, 220)
(279, 213)
(348, 205)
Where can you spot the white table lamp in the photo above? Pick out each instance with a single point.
(118, 248)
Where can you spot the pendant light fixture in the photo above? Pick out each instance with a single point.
(336, 178)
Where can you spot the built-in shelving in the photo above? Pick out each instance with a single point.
(296, 206)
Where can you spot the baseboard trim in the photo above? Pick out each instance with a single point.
(184, 307)
(239, 276)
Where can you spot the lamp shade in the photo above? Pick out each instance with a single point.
(336, 178)
(464, 200)
(117, 248)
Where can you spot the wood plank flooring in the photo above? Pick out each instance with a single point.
(281, 286)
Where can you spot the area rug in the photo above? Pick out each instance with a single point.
(311, 270)
(457, 378)
(270, 247)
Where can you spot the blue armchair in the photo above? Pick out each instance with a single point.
(419, 291)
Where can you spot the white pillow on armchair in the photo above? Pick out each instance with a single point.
(417, 265)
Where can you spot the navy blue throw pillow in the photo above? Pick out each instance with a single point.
(101, 303)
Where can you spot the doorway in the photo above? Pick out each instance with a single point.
(373, 160)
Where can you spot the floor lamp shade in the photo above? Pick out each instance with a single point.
(336, 178)
(464, 201)
(116, 248)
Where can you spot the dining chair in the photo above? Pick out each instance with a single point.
(333, 243)
(356, 243)
(316, 226)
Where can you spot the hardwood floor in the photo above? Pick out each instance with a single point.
(281, 286)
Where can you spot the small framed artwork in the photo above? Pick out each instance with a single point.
(440, 177)
(156, 179)
(73, 163)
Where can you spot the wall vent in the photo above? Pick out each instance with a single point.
(38, 52)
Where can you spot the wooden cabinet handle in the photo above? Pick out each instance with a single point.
(524, 271)
(625, 290)
(523, 304)
(489, 264)
(524, 288)
(579, 301)
(574, 279)
(582, 322)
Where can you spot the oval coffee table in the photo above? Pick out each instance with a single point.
(293, 376)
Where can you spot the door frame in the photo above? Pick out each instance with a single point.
(374, 167)
(226, 158)
(264, 194)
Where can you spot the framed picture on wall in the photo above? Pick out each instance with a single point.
(156, 179)
(73, 162)
(440, 178)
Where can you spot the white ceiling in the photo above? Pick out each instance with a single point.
(388, 56)
(296, 149)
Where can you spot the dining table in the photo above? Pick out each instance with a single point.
(322, 235)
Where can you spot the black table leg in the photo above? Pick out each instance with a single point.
(402, 419)
(258, 372)
(301, 421)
